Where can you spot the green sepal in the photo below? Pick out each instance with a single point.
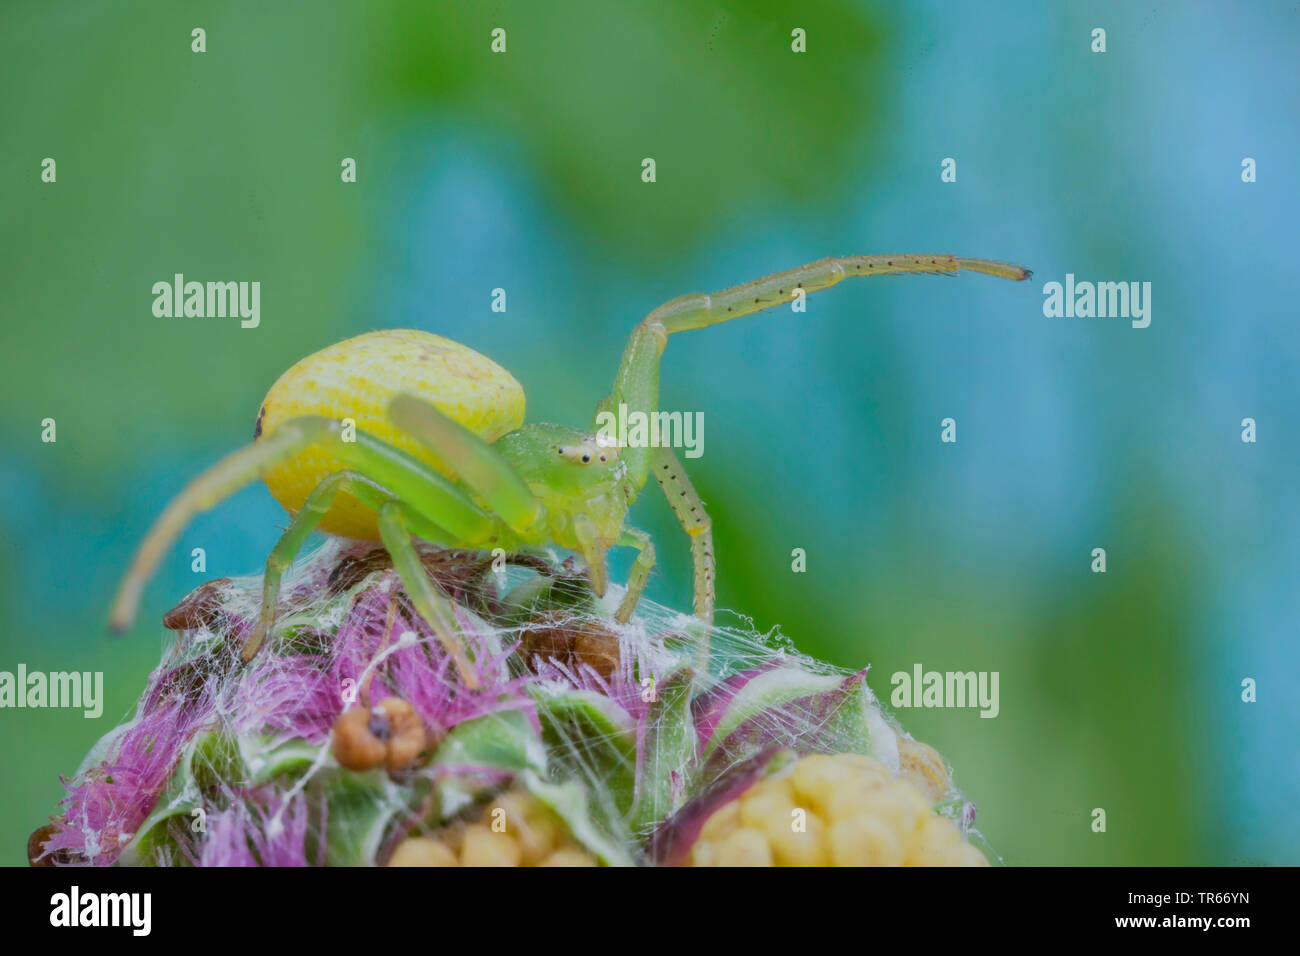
(669, 750)
(361, 807)
(504, 740)
(853, 723)
(768, 691)
(265, 760)
(206, 761)
(606, 740)
(540, 594)
(569, 802)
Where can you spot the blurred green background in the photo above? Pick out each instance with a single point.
(522, 171)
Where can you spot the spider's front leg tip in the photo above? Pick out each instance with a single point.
(120, 618)
(468, 676)
(254, 642)
(624, 612)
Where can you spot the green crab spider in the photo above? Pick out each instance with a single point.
(446, 458)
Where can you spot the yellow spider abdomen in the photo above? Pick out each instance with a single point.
(356, 379)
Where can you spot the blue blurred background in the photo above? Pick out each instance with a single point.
(522, 171)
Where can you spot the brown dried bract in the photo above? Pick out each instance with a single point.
(390, 733)
(597, 648)
(187, 681)
(36, 855)
(547, 638)
(200, 608)
(461, 575)
(351, 570)
(455, 572)
(563, 638)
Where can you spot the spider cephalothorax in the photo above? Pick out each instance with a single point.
(401, 435)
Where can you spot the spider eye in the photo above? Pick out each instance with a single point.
(578, 454)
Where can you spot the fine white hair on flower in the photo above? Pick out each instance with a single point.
(352, 739)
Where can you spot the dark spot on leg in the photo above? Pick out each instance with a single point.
(257, 429)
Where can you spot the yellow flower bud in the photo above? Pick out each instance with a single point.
(921, 764)
(744, 847)
(514, 829)
(839, 810)
(423, 851)
(480, 846)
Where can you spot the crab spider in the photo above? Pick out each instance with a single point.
(438, 451)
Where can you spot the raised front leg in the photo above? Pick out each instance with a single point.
(637, 384)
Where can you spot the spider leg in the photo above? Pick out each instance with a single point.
(482, 469)
(433, 607)
(695, 521)
(300, 528)
(403, 476)
(593, 549)
(637, 384)
(636, 581)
